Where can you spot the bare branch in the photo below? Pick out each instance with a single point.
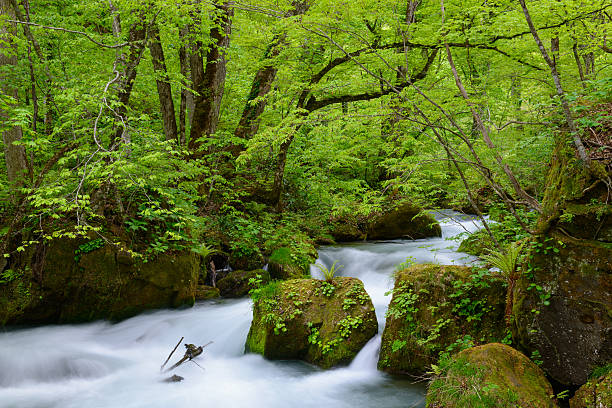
(89, 37)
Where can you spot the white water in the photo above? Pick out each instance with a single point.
(117, 365)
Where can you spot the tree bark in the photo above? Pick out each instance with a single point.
(186, 94)
(128, 65)
(164, 89)
(262, 82)
(210, 87)
(14, 155)
(560, 92)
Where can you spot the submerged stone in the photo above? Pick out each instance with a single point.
(322, 323)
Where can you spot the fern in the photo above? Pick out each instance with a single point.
(505, 261)
(329, 274)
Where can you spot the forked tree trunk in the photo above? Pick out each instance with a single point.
(211, 84)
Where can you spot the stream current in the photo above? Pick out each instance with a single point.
(117, 365)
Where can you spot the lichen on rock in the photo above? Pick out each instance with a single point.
(316, 321)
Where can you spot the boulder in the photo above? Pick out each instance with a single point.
(75, 280)
(305, 319)
(403, 221)
(563, 299)
(489, 376)
(238, 283)
(282, 265)
(437, 308)
(204, 292)
(596, 393)
(396, 220)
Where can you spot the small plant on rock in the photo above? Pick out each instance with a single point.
(329, 274)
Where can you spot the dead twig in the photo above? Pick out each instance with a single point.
(171, 353)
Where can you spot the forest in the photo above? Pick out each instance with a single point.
(422, 185)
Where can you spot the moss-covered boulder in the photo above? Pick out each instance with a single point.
(403, 221)
(72, 280)
(283, 264)
(489, 376)
(563, 299)
(238, 283)
(204, 292)
(596, 393)
(436, 308)
(398, 219)
(477, 243)
(319, 322)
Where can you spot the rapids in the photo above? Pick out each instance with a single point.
(117, 365)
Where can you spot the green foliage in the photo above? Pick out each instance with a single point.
(88, 247)
(505, 261)
(328, 274)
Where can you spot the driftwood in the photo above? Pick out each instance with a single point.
(171, 353)
(191, 352)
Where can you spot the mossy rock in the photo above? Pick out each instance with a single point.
(322, 323)
(236, 283)
(246, 262)
(403, 221)
(396, 220)
(283, 266)
(436, 308)
(563, 306)
(596, 393)
(204, 292)
(477, 244)
(72, 281)
(489, 376)
(563, 300)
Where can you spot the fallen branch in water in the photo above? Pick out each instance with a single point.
(171, 353)
(191, 353)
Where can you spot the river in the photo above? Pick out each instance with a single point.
(117, 365)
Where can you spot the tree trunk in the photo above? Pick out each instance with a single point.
(262, 82)
(211, 85)
(14, 155)
(186, 94)
(164, 89)
(557, 80)
(128, 65)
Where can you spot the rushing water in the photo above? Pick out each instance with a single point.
(117, 365)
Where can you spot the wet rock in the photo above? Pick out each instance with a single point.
(396, 220)
(82, 280)
(596, 393)
(322, 323)
(563, 299)
(489, 376)
(404, 221)
(436, 308)
(237, 283)
(282, 265)
(204, 292)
